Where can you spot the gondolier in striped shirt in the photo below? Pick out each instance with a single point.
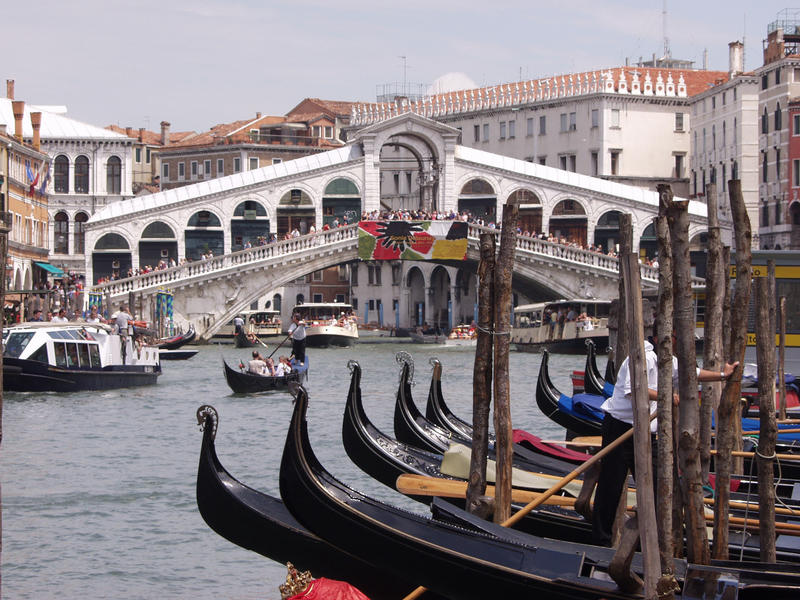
(297, 331)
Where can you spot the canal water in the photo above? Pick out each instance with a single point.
(98, 488)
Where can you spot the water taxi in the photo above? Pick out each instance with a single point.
(328, 324)
(561, 326)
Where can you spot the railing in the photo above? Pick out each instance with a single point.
(190, 270)
(251, 256)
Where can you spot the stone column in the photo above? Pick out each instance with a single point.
(372, 175)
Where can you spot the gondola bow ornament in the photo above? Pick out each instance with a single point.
(301, 586)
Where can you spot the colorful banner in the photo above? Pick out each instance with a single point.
(412, 240)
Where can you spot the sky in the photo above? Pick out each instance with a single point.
(197, 63)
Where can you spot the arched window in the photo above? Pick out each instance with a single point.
(61, 174)
(112, 241)
(82, 175)
(114, 175)
(61, 231)
(158, 230)
(80, 232)
(778, 119)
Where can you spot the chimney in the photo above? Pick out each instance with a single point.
(10, 89)
(19, 110)
(258, 115)
(164, 133)
(735, 58)
(705, 59)
(36, 123)
(129, 132)
(141, 134)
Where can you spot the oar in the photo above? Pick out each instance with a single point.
(554, 489)
(279, 345)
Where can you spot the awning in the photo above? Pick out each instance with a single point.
(49, 268)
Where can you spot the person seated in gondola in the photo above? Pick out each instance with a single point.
(251, 337)
(284, 367)
(257, 366)
(270, 369)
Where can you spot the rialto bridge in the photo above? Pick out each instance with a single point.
(408, 162)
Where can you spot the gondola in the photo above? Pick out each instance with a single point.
(439, 413)
(384, 459)
(560, 408)
(411, 427)
(240, 340)
(593, 382)
(180, 354)
(242, 382)
(261, 523)
(176, 341)
(457, 562)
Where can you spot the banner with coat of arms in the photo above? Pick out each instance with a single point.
(412, 240)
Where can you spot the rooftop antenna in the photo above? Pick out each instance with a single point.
(664, 27)
(404, 74)
(744, 44)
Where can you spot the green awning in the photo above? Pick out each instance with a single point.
(49, 268)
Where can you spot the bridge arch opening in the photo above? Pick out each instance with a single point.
(648, 243)
(203, 235)
(568, 222)
(111, 257)
(409, 173)
(466, 297)
(439, 298)
(698, 253)
(295, 211)
(530, 210)
(479, 198)
(415, 282)
(606, 232)
(341, 201)
(158, 242)
(249, 225)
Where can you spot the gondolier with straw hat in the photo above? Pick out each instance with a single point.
(297, 331)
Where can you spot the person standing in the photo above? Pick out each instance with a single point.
(617, 421)
(94, 316)
(61, 317)
(238, 323)
(297, 331)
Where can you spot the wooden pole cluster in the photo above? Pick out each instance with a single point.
(504, 444)
(625, 247)
(482, 379)
(729, 423)
(765, 348)
(689, 413)
(666, 474)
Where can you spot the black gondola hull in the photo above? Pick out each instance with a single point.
(570, 346)
(176, 342)
(324, 340)
(242, 382)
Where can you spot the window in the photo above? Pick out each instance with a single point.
(562, 161)
(61, 233)
(512, 128)
(80, 232)
(502, 130)
(724, 134)
(764, 122)
(194, 169)
(777, 76)
(253, 162)
(713, 137)
(220, 167)
(147, 156)
(614, 162)
(734, 130)
(796, 124)
(408, 181)
(796, 173)
(543, 160)
(679, 166)
(374, 274)
(764, 83)
(778, 164)
(277, 161)
(82, 175)
(485, 132)
(316, 130)
(237, 164)
(61, 174)
(572, 163)
(595, 164)
(529, 125)
(396, 274)
(764, 214)
(615, 118)
(165, 171)
(371, 304)
(396, 178)
(354, 275)
(764, 167)
(778, 119)
(595, 118)
(206, 168)
(316, 297)
(563, 122)
(713, 102)
(778, 213)
(735, 170)
(181, 170)
(316, 276)
(328, 131)
(704, 139)
(477, 132)
(573, 122)
(543, 125)
(678, 121)
(114, 175)
(724, 98)
(734, 94)
(138, 155)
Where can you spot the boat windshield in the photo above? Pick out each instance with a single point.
(16, 343)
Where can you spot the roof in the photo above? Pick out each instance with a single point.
(153, 138)
(54, 126)
(601, 186)
(336, 107)
(219, 185)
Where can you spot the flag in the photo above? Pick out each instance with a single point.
(28, 171)
(45, 178)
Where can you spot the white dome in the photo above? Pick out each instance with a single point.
(451, 82)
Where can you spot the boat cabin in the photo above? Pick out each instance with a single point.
(322, 313)
(547, 324)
